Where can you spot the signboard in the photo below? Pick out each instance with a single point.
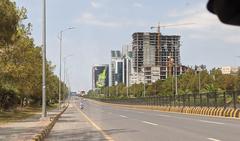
(101, 76)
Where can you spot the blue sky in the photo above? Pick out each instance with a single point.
(104, 25)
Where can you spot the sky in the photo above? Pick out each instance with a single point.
(105, 25)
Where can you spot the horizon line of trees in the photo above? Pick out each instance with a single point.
(21, 62)
(188, 83)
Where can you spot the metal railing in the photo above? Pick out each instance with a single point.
(227, 99)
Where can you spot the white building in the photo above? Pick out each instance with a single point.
(121, 65)
(229, 70)
(136, 78)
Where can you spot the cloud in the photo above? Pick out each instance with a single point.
(95, 4)
(137, 4)
(90, 19)
(186, 11)
(234, 39)
(206, 25)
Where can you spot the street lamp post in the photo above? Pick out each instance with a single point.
(44, 113)
(176, 81)
(144, 84)
(65, 73)
(199, 79)
(64, 67)
(60, 71)
(116, 87)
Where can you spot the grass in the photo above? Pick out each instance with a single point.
(24, 113)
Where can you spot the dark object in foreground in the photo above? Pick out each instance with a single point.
(228, 11)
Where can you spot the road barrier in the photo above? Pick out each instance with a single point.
(225, 104)
(46, 130)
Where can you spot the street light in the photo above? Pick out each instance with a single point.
(44, 113)
(144, 85)
(64, 66)
(175, 67)
(60, 71)
(65, 73)
(199, 69)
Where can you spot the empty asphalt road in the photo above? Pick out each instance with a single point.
(123, 124)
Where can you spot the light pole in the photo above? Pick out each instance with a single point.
(44, 113)
(60, 71)
(116, 87)
(176, 84)
(127, 79)
(65, 73)
(64, 66)
(144, 85)
(199, 79)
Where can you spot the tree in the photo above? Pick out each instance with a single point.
(9, 21)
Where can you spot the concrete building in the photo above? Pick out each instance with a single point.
(115, 58)
(136, 78)
(127, 63)
(229, 70)
(156, 58)
(121, 66)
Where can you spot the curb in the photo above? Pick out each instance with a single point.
(46, 130)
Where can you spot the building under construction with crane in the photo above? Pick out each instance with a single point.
(155, 56)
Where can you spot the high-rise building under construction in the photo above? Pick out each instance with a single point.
(156, 55)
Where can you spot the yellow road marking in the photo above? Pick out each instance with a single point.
(107, 137)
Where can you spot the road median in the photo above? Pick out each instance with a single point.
(50, 123)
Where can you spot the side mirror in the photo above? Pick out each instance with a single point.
(228, 11)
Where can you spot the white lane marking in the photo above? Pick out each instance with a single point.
(123, 116)
(126, 110)
(149, 123)
(163, 115)
(212, 139)
(213, 122)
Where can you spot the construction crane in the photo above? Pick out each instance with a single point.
(158, 50)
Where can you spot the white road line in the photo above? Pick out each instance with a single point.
(149, 123)
(212, 139)
(123, 116)
(206, 121)
(163, 115)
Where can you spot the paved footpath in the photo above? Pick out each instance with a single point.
(73, 126)
(25, 129)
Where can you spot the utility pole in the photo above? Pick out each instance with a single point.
(44, 112)
(144, 89)
(176, 81)
(60, 65)
(199, 79)
(60, 73)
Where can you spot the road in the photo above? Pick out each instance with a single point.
(124, 124)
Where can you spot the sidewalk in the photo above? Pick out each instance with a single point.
(72, 126)
(25, 129)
